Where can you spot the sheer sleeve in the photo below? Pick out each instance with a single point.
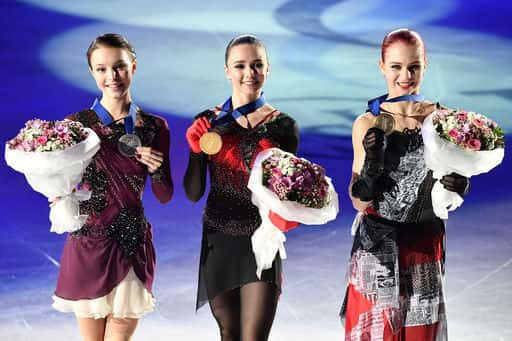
(194, 181)
(289, 138)
(161, 179)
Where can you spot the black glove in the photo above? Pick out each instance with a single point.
(456, 183)
(373, 144)
(366, 186)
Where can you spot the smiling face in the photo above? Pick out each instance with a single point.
(247, 68)
(403, 67)
(112, 69)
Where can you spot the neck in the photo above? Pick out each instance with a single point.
(239, 99)
(117, 107)
(403, 107)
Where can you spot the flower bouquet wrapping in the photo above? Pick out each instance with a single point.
(463, 142)
(294, 189)
(53, 156)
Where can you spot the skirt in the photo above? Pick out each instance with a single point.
(129, 299)
(395, 285)
(227, 262)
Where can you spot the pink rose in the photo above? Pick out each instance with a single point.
(462, 116)
(474, 144)
(478, 122)
(454, 133)
(41, 140)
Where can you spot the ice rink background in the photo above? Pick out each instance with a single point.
(323, 58)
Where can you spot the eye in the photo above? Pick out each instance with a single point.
(120, 67)
(239, 66)
(100, 69)
(396, 67)
(415, 67)
(258, 65)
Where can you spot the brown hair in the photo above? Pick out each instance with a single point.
(244, 39)
(405, 36)
(110, 40)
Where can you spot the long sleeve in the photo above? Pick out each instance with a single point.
(289, 142)
(161, 180)
(194, 181)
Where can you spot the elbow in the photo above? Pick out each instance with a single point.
(360, 205)
(193, 195)
(165, 198)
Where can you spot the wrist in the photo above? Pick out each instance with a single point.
(372, 168)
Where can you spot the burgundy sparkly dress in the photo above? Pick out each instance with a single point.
(229, 219)
(116, 236)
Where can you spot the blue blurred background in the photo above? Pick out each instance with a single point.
(323, 57)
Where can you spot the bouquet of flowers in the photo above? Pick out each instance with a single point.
(295, 190)
(463, 142)
(53, 156)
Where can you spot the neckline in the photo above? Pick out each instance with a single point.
(272, 114)
(119, 121)
(407, 131)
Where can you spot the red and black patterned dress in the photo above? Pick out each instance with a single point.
(116, 236)
(229, 219)
(396, 271)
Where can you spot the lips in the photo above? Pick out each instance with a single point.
(114, 86)
(405, 86)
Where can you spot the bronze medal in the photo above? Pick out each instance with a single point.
(385, 122)
(210, 143)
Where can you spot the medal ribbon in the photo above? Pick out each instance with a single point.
(129, 121)
(374, 104)
(227, 115)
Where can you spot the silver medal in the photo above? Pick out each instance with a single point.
(128, 143)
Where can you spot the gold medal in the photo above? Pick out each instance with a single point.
(210, 143)
(385, 122)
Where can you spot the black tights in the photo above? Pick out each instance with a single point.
(246, 313)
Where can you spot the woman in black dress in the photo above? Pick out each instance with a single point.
(243, 305)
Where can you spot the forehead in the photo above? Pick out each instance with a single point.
(247, 52)
(402, 52)
(108, 54)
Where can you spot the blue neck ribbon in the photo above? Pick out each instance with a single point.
(374, 104)
(228, 115)
(129, 121)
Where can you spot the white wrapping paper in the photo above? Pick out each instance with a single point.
(267, 240)
(56, 174)
(445, 157)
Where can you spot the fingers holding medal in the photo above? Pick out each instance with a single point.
(152, 158)
(200, 139)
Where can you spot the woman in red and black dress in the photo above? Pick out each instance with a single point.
(243, 305)
(396, 271)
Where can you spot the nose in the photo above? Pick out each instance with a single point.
(112, 74)
(406, 74)
(250, 71)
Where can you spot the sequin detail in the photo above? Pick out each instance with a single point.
(136, 182)
(229, 208)
(96, 180)
(159, 176)
(128, 229)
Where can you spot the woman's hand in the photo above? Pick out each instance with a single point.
(195, 131)
(373, 144)
(150, 157)
(456, 183)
